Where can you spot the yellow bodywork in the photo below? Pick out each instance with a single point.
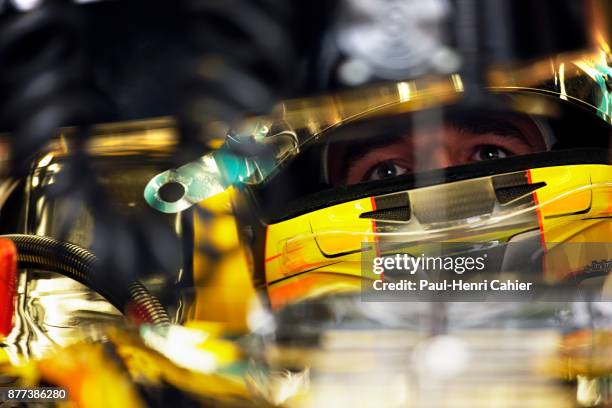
(226, 295)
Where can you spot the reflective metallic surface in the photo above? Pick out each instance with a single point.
(54, 310)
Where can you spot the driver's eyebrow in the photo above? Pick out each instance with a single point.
(360, 149)
(499, 126)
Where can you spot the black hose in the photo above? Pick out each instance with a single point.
(75, 262)
(148, 307)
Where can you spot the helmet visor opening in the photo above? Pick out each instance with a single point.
(405, 150)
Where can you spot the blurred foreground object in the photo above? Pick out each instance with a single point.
(8, 285)
(121, 371)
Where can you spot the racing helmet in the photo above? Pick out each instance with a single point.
(418, 162)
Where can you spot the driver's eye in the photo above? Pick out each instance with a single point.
(386, 169)
(489, 152)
